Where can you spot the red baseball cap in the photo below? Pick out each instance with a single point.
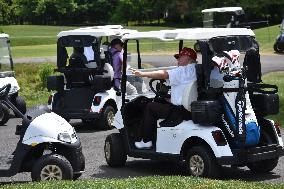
(187, 51)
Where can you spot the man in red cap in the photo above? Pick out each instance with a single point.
(179, 78)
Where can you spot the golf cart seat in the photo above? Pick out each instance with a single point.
(189, 95)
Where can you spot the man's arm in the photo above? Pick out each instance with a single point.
(159, 74)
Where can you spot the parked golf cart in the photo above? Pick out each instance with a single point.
(84, 90)
(279, 43)
(48, 146)
(7, 76)
(226, 128)
(224, 17)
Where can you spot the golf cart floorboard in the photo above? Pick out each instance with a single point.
(5, 162)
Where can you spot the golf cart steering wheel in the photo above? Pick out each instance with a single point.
(4, 91)
(161, 90)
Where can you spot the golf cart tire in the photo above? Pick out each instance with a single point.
(103, 119)
(114, 150)
(264, 166)
(6, 115)
(211, 169)
(196, 47)
(277, 48)
(76, 175)
(55, 160)
(21, 104)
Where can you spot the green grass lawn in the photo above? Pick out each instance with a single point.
(155, 182)
(40, 41)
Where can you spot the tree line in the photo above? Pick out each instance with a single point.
(84, 12)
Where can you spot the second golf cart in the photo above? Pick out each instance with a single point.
(85, 88)
(7, 76)
(227, 126)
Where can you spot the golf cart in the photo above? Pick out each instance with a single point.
(7, 76)
(229, 17)
(84, 90)
(48, 146)
(227, 126)
(279, 43)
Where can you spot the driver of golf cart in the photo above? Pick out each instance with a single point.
(78, 59)
(179, 78)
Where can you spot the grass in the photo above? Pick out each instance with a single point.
(40, 41)
(277, 78)
(157, 182)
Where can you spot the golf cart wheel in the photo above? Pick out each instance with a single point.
(5, 115)
(196, 47)
(21, 104)
(52, 167)
(107, 117)
(77, 175)
(200, 162)
(277, 48)
(115, 154)
(264, 166)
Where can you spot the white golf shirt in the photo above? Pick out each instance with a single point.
(179, 78)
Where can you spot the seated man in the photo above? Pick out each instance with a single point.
(78, 59)
(179, 78)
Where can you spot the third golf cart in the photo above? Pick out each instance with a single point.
(228, 125)
(7, 76)
(85, 89)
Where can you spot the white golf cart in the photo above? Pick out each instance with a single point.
(7, 76)
(85, 88)
(226, 128)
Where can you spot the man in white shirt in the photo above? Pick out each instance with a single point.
(179, 78)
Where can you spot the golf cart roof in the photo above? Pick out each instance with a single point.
(163, 35)
(208, 33)
(189, 34)
(223, 9)
(4, 35)
(98, 31)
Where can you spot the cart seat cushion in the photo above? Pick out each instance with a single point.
(189, 95)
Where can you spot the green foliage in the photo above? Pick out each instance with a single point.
(45, 70)
(157, 182)
(30, 83)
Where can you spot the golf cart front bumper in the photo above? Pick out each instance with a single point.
(77, 114)
(251, 155)
(74, 154)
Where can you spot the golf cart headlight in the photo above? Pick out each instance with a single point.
(64, 137)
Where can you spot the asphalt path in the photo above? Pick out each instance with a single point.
(93, 142)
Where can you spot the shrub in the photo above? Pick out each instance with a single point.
(45, 70)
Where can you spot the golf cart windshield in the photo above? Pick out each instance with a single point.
(211, 40)
(5, 55)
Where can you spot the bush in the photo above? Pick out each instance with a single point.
(45, 70)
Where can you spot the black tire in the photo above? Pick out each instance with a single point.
(277, 48)
(264, 166)
(114, 150)
(76, 176)
(5, 115)
(20, 104)
(52, 162)
(201, 162)
(196, 47)
(106, 117)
